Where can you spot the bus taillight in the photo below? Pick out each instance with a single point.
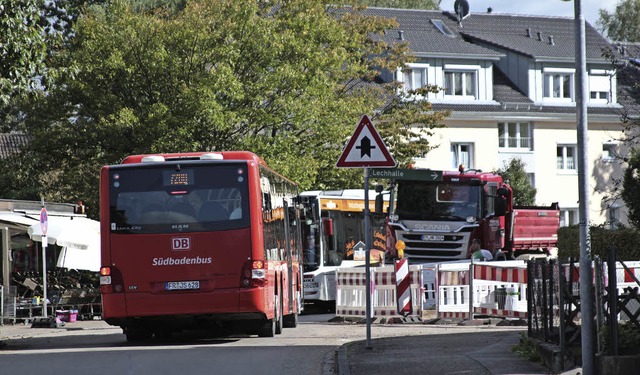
(109, 280)
(254, 274)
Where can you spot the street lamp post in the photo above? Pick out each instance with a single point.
(586, 287)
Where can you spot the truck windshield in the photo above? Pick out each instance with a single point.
(418, 200)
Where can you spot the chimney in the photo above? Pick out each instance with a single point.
(539, 35)
(401, 34)
(489, 9)
(551, 40)
(528, 32)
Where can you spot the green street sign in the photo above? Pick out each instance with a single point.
(406, 174)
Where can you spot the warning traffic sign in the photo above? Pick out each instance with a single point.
(365, 148)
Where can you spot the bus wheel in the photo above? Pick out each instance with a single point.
(270, 327)
(291, 320)
(279, 322)
(137, 334)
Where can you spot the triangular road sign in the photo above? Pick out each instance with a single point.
(365, 148)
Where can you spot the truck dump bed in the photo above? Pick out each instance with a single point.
(535, 228)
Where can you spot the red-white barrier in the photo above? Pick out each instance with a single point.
(466, 289)
(403, 287)
(351, 291)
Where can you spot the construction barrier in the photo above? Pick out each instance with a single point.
(466, 289)
(351, 292)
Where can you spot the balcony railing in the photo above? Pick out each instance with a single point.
(515, 142)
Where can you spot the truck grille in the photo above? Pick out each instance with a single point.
(452, 247)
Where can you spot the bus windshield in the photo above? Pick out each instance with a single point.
(172, 197)
(418, 200)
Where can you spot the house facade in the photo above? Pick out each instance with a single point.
(510, 84)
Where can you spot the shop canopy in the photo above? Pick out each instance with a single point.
(79, 238)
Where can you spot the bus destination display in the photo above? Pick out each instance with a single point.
(178, 178)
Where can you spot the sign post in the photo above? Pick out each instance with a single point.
(366, 149)
(44, 226)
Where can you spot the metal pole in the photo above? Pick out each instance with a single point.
(44, 276)
(367, 260)
(586, 287)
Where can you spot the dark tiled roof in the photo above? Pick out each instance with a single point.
(11, 143)
(491, 36)
(505, 31)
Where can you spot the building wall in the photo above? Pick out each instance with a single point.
(552, 185)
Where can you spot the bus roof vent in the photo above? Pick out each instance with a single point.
(211, 156)
(153, 159)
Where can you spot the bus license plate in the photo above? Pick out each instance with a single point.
(182, 285)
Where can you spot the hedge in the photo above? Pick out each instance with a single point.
(625, 240)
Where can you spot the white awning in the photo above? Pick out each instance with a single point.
(78, 236)
(16, 218)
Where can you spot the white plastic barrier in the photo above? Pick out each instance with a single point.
(351, 291)
(466, 289)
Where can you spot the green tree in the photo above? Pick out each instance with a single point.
(22, 48)
(285, 79)
(515, 174)
(403, 4)
(623, 25)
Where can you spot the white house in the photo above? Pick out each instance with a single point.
(510, 84)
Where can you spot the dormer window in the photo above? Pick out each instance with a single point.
(461, 83)
(558, 84)
(415, 76)
(600, 86)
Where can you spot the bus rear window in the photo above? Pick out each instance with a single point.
(168, 198)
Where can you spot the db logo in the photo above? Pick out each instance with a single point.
(181, 243)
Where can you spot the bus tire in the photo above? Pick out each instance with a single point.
(270, 327)
(279, 317)
(291, 320)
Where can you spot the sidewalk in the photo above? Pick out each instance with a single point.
(480, 352)
(19, 330)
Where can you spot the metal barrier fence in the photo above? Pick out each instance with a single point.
(467, 289)
(351, 291)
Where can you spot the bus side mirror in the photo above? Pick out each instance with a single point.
(327, 227)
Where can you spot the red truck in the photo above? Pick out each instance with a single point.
(436, 215)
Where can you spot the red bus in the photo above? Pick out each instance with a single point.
(206, 241)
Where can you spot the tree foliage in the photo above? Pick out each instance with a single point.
(515, 174)
(287, 80)
(623, 25)
(403, 4)
(22, 48)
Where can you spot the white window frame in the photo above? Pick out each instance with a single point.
(506, 139)
(600, 86)
(569, 216)
(550, 76)
(565, 166)
(458, 156)
(463, 71)
(409, 72)
(609, 151)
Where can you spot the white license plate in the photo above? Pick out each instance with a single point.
(429, 237)
(182, 285)
(310, 285)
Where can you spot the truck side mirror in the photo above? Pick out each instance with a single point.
(500, 207)
(379, 204)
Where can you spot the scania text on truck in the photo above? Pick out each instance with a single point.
(434, 216)
(206, 241)
(333, 231)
